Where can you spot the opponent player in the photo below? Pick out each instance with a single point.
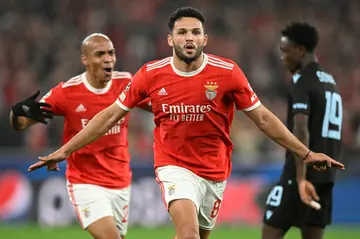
(98, 175)
(315, 117)
(193, 96)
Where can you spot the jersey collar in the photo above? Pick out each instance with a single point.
(191, 73)
(93, 89)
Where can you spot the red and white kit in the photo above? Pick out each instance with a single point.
(98, 174)
(193, 114)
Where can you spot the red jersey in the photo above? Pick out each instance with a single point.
(106, 161)
(193, 112)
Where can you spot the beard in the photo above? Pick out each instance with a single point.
(180, 53)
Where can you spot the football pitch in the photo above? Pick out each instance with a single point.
(34, 232)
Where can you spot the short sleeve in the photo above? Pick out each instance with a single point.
(55, 97)
(134, 92)
(243, 95)
(300, 95)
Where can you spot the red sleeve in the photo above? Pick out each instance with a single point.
(243, 95)
(134, 92)
(55, 98)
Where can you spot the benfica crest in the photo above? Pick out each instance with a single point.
(211, 92)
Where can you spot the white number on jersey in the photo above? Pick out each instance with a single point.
(333, 116)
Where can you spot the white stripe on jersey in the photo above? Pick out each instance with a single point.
(157, 66)
(121, 105)
(218, 65)
(254, 106)
(121, 75)
(76, 80)
(219, 61)
(159, 62)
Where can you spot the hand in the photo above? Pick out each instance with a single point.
(53, 167)
(321, 162)
(51, 161)
(32, 109)
(308, 194)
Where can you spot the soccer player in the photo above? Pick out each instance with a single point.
(315, 117)
(99, 175)
(193, 96)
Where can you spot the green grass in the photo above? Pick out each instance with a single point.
(74, 232)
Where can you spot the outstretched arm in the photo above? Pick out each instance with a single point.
(97, 127)
(268, 123)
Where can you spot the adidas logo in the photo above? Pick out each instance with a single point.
(162, 91)
(80, 108)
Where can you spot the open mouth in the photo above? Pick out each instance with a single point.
(108, 70)
(189, 47)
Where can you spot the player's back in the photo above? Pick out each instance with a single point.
(104, 162)
(314, 92)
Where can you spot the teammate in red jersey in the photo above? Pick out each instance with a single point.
(193, 96)
(98, 175)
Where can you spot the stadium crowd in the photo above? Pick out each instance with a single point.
(40, 46)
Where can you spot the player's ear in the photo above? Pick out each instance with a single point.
(83, 60)
(170, 41)
(206, 37)
(303, 51)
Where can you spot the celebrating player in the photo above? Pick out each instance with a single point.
(315, 117)
(193, 96)
(99, 175)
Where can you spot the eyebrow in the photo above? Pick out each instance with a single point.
(103, 52)
(187, 29)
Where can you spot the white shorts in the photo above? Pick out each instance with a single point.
(93, 202)
(180, 183)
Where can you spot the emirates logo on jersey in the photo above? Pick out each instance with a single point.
(183, 112)
(211, 92)
(116, 129)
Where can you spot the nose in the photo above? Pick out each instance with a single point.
(107, 58)
(189, 36)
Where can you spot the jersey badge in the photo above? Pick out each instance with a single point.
(210, 91)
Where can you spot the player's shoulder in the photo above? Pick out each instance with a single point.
(119, 78)
(313, 74)
(220, 62)
(157, 64)
(72, 82)
(119, 75)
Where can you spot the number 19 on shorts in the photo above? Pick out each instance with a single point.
(274, 198)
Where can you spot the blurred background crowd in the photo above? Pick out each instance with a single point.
(40, 46)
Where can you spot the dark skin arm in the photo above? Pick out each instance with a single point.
(306, 189)
(301, 132)
(270, 125)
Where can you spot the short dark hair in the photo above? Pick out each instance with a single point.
(302, 34)
(185, 12)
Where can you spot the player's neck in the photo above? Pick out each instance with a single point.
(309, 58)
(185, 67)
(91, 79)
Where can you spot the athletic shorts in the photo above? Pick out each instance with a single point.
(92, 202)
(180, 183)
(285, 209)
